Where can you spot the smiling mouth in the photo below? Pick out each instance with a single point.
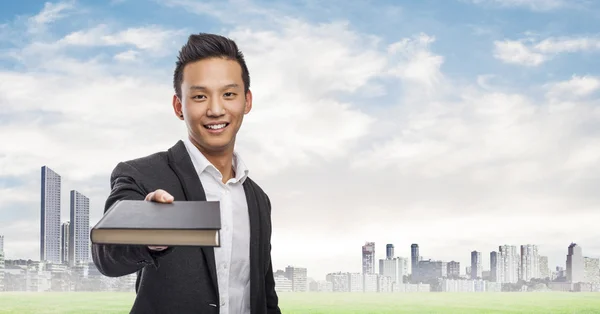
(216, 126)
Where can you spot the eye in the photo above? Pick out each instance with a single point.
(229, 94)
(197, 97)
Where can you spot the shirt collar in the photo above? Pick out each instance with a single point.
(201, 164)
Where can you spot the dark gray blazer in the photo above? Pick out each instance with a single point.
(183, 279)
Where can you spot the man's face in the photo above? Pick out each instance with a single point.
(213, 103)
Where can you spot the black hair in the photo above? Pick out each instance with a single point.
(204, 46)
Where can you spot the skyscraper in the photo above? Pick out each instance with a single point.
(575, 264)
(530, 263)
(508, 264)
(494, 273)
(591, 273)
(368, 258)
(79, 228)
(414, 259)
(389, 267)
(50, 216)
(544, 269)
(64, 242)
(1, 263)
(453, 271)
(476, 268)
(389, 251)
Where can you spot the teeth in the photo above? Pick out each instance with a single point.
(216, 126)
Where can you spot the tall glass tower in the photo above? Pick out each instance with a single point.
(50, 216)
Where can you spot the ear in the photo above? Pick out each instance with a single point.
(248, 106)
(177, 107)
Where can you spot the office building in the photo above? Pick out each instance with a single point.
(79, 228)
(368, 258)
(50, 249)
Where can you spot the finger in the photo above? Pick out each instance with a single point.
(157, 248)
(149, 196)
(161, 196)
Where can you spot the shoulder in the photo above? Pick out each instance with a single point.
(154, 162)
(254, 186)
(259, 192)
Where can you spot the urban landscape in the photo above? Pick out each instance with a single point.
(65, 263)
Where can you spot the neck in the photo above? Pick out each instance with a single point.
(222, 160)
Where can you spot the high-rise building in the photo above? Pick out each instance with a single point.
(592, 270)
(476, 267)
(402, 268)
(395, 268)
(544, 269)
(575, 264)
(508, 261)
(388, 267)
(530, 262)
(414, 259)
(340, 282)
(368, 258)
(432, 270)
(494, 266)
(64, 242)
(389, 251)
(299, 278)
(79, 227)
(453, 269)
(50, 216)
(1, 263)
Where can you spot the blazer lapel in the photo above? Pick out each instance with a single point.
(182, 165)
(255, 265)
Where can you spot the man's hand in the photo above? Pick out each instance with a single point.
(160, 196)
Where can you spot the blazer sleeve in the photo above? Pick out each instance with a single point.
(120, 260)
(272, 298)
(271, 294)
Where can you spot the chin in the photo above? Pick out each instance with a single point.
(217, 146)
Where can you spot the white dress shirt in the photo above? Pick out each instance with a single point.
(233, 256)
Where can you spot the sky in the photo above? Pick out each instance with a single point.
(459, 125)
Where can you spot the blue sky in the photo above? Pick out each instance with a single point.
(462, 112)
(463, 30)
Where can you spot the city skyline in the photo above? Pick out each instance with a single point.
(581, 274)
(460, 126)
(63, 241)
(74, 244)
(79, 207)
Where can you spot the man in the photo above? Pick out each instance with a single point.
(212, 95)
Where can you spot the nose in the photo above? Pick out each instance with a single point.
(215, 107)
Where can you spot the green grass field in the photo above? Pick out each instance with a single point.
(334, 303)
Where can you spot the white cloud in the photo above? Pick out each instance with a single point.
(516, 52)
(568, 45)
(49, 14)
(529, 53)
(129, 55)
(535, 5)
(416, 62)
(153, 38)
(577, 86)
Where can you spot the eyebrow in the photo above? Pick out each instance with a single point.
(203, 88)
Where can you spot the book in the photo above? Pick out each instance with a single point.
(180, 223)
